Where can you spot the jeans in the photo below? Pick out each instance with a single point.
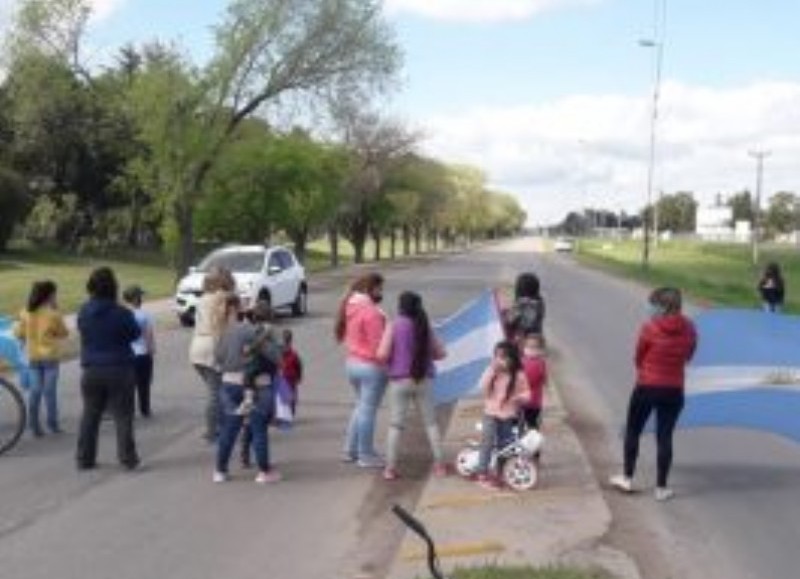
(212, 380)
(667, 403)
(402, 394)
(43, 380)
(143, 366)
(496, 433)
(231, 396)
(112, 387)
(369, 383)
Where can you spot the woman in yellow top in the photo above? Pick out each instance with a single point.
(41, 328)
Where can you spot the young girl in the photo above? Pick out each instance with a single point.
(526, 315)
(535, 368)
(505, 388)
(291, 366)
(409, 347)
(771, 288)
(41, 327)
(144, 348)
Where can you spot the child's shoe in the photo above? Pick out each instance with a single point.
(488, 482)
(219, 477)
(440, 470)
(390, 473)
(664, 494)
(621, 483)
(268, 477)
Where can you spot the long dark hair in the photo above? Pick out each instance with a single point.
(41, 292)
(409, 304)
(511, 352)
(527, 286)
(773, 270)
(365, 285)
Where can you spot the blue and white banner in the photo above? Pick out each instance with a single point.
(745, 373)
(469, 336)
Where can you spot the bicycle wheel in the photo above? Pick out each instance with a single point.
(12, 415)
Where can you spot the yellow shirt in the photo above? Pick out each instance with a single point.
(41, 331)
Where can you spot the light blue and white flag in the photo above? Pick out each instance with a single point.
(745, 373)
(469, 336)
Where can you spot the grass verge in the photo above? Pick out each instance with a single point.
(715, 273)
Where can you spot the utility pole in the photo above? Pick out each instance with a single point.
(657, 43)
(759, 156)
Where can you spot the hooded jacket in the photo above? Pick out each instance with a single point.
(665, 346)
(365, 323)
(107, 330)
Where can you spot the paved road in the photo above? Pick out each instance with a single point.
(326, 519)
(737, 513)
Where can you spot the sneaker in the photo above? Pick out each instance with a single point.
(621, 483)
(488, 482)
(220, 477)
(664, 494)
(390, 473)
(268, 477)
(349, 458)
(440, 470)
(371, 462)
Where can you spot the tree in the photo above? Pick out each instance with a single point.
(677, 212)
(14, 204)
(266, 51)
(782, 213)
(742, 204)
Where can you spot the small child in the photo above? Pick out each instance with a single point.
(535, 367)
(291, 366)
(144, 348)
(262, 354)
(505, 388)
(771, 287)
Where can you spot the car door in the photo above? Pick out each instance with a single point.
(279, 279)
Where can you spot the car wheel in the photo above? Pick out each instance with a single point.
(266, 299)
(300, 305)
(187, 319)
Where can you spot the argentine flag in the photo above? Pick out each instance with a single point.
(469, 336)
(745, 373)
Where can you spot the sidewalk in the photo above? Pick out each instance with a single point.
(561, 521)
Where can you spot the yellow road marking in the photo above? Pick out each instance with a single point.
(455, 550)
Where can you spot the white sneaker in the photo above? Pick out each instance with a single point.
(271, 476)
(664, 494)
(621, 483)
(219, 477)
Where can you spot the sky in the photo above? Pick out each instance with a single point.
(553, 99)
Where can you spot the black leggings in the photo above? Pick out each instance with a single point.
(668, 403)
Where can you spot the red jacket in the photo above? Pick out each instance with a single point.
(666, 344)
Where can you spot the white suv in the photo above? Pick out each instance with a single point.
(270, 274)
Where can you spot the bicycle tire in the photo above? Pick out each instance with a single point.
(9, 392)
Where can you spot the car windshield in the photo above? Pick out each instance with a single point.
(235, 261)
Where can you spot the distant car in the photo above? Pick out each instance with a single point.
(270, 274)
(564, 244)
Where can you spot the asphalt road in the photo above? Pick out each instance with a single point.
(736, 515)
(737, 510)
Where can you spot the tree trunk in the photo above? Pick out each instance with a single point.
(417, 240)
(376, 239)
(184, 252)
(333, 243)
(406, 240)
(393, 244)
(299, 239)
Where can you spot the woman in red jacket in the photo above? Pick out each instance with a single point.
(666, 344)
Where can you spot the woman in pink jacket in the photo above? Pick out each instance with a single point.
(360, 325)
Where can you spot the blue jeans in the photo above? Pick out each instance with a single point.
(496, 434)
(231, 396)
(43, 380)
(369, 383)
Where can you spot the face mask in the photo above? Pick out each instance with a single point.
(655, 310)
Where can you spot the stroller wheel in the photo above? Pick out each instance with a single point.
(520, 473)
(466, 461)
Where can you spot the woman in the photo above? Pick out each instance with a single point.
(360, 325)
(666, 344)
(771, 288)
(526, 314)
(409, 347)
(231, 353)
(107, 330)
(208, 327)
(41, 327)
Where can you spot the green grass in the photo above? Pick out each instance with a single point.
(529, 573)
(716, 273)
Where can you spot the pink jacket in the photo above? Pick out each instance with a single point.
(496, 401)
(365, 323)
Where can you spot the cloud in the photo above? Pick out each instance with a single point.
(478, 10)
(592, 151)
(101, 9)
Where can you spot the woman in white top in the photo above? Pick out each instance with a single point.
(209, 323)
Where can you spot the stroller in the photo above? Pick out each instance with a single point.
(517, 459)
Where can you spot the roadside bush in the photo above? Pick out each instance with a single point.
(15, 202)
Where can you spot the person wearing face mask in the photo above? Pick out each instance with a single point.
(360, 325)
(666, 344)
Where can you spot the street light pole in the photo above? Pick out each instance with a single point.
(759, 156)
(657, 42)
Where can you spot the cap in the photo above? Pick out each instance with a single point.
(132, 293)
